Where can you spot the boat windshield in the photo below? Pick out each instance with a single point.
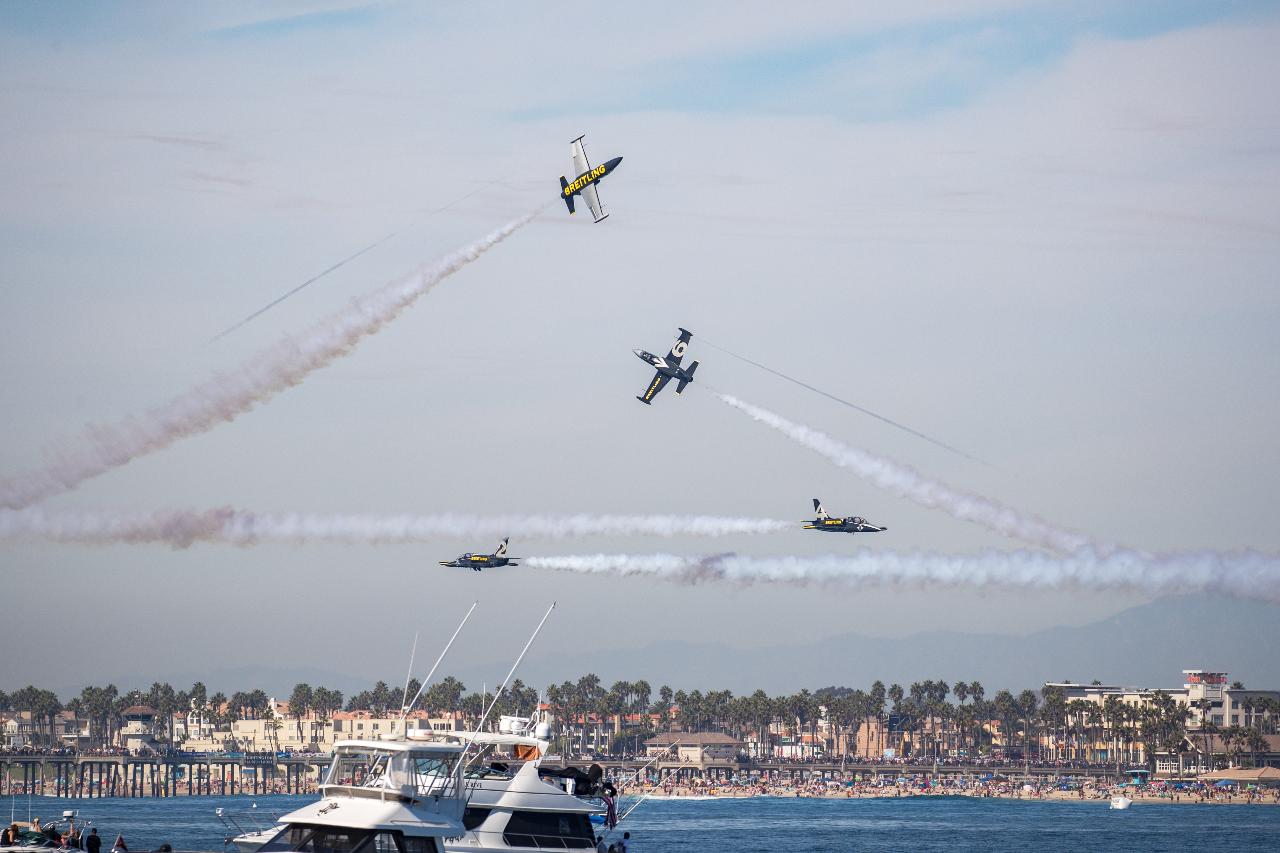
(390, 770)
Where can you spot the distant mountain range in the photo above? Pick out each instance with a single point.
(1148, 646)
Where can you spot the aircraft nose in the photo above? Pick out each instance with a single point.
(639, 353)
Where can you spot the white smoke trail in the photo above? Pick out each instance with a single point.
(904, 481)
(1244, 574)
(181, 528)
(226, 396)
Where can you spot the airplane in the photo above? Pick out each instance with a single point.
(588, 177)
(476, 562)
(853, 524)
(668, 368)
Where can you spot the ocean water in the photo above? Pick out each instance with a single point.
(776, 824)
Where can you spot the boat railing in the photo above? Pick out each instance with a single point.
(247, 821)
(403, 793)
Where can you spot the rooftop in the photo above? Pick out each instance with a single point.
(692, 739)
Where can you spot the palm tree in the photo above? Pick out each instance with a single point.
(1054, 712)
(43, 705)
(762, 712)
(300, 701)
(875, 710)
(1027, 704)
(1255, 742)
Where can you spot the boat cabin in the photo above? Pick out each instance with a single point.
(380, 797)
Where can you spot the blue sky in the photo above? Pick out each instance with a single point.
(988, 47)
(991, 48)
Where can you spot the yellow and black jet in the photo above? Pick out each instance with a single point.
(668, 368)
(476, 562)
(588, 176)
(853, 524)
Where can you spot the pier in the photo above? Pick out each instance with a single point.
(92, 776)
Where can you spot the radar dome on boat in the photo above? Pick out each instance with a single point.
(542, 731)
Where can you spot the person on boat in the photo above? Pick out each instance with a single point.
(93, 844)
(601, 847)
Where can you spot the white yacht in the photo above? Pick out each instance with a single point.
(380, 797)
(404, 796)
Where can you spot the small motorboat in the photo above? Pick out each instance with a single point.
(1120, 801)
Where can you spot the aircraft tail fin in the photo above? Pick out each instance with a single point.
(502, 549)
(817, 507)
(568, 199)
(683, 382)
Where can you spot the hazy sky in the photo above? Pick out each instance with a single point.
(1046, 234)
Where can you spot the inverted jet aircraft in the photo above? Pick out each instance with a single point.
(668, 368)
(476, 562)
(585, 184)
(853, 524)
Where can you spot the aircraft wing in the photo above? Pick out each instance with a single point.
(659, 380)
(679, 348)
(579, 154)
(593, 201)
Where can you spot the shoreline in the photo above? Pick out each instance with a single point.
(1266, 798)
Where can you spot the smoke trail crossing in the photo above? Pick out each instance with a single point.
(273, 303)
(348, 259)
(906, 482)
(1244, 574)
(181, 528)
(227, 396)
(844, 402)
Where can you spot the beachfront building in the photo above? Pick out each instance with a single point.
(587, 734)
(198, 723)
(800, 745)
(1205, 694)
(313, 732)
(1103, 722)
(18, 729)
(364, 725)
(1211, 749)
(138, 733)
(699, 748)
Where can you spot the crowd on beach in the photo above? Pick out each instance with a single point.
(989, 785)
(74, 752)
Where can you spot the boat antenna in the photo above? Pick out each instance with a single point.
(408, 676)
(637, 803)
(635, 777)
(405, 712)
(503, 686)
